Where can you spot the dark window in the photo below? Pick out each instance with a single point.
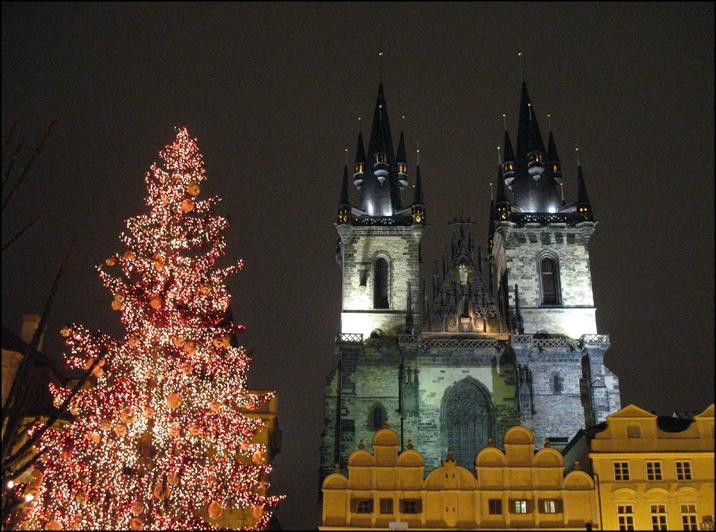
(683, 470)
(380, 284)
(548, 269)
(495, 506)
(633, 431)
(688, 516)
(362, 506)
(625, 517)
(557, 383)
(411, 506)
(658, 517)
(386, 506)
(653, 470)
(621, 470)
(377, 417)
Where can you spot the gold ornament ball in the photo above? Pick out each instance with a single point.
(178, 341)
(128, 415)
(65, 331)
(148, 412)
(129, 255)
(94, 437)
(119, 297)
(218, 342)
(190, 348)
(258, 511)
(206, 288)
(53, 525)
(116, 305)
(215, 406)
(110, 261)
(36, 478)
(137, 508)
(172, 479)
(156, 302)
(133, 341)
(173, 400)
(193, 189)
(81, 498)
(161, 491)
(186, 369)
(120, 430)
(105, 424)
(187, 205)
(257, 457)
(215, 510)
(173, 431)
(195, 430)
(136, 524)
(264, 484)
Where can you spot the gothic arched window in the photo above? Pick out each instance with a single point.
(380, 283)
(377, 417)
(549, 280)
(466, 420)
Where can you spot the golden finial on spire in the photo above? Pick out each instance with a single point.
(346, 156)
(360, 125)
(549, 122)
(504, 120)
(491, 196)
(577, 150)
(417, 157)
(380, 55)
(522, 72)
(499, 156)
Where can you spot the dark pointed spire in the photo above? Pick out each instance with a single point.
(536, 144)
(555, 167)
(344, 207)
(380, 195)
(508, 166)
(584, 207)
(502, 204)
(401, 161)
(360, 162)
(418, 198)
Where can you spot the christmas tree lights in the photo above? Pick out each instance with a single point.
(158, 440)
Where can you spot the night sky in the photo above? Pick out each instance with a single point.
(274, 92)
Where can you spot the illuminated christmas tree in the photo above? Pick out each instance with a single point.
(159, 441)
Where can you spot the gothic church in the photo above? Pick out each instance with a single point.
(511, 336)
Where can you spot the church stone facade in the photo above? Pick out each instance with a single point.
(451, 363)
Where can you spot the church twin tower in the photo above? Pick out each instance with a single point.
(517, 342)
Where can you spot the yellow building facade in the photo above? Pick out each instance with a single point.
(514, 488)
(652, 472)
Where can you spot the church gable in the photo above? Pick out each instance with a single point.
(461, 302)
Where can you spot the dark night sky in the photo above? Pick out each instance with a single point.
(273, 93)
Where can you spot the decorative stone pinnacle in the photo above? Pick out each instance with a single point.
(546, 443)
(336, 468)
(361, 445)
(410, 444)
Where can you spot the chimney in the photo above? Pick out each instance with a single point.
(30, 322)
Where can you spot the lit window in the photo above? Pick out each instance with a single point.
(621, 470)
(411, 506)
(683, 470)
(658, 517)
(362, 506)
(550, 506)
(688, 516)
(633, 431)
(386, 506)
(495, 506)
(520, 507)
(625, 516)
(653, 471)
